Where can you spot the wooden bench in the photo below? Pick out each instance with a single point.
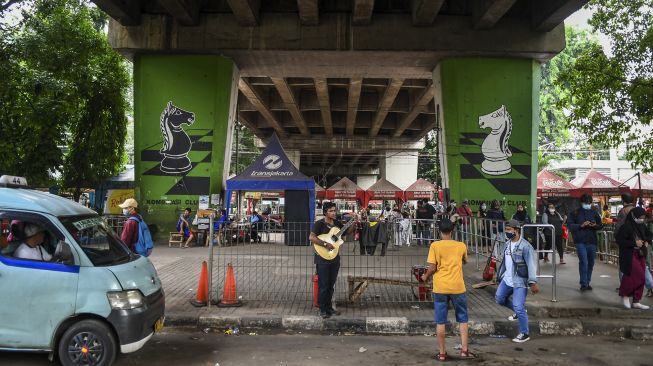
(175, 238)
(358, 285)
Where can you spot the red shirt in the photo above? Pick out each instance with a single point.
(129, 234)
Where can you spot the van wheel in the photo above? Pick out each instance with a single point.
(88, 342)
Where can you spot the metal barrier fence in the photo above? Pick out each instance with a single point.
(274, 262)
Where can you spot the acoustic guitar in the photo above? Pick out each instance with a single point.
(333, 237)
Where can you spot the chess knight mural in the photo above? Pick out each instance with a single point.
(495, 147)
(176, 143)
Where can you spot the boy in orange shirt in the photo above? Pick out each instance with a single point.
(446, 259)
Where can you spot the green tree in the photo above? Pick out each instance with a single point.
(610, 97)
(428, 164)
(243, 149)
(554, 133)
(68, 105)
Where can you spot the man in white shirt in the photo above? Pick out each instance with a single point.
(31, 247)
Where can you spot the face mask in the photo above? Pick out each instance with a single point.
(483, 207)
(125, 211)
(510, 235)
(453, 204)
(552, 210)
(639, 221)
(587, 206)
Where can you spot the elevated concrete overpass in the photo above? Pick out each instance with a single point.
(350, 87)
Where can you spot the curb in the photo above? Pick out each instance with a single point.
(403, 326)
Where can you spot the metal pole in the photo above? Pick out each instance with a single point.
(210, 258)
(553, 263)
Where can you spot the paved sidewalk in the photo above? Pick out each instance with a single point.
(288, 304)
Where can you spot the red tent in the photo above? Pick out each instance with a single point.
(550, 185)
(383, 190)
(421, 189)
(597, 184)
(647, 186)
(345, 189)
(320, 192)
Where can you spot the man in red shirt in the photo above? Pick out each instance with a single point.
(129, 234)
(465, 213)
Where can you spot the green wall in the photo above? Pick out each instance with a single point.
(203, 85)
(473, 87)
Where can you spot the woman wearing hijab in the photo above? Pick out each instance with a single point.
(633, 238)
(482, 213)
(522, 216)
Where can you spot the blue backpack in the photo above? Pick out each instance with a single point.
(145, 244)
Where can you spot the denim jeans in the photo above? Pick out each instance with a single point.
(517, 305)
(649, 279)
(586, 254)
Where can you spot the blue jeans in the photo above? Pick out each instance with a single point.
(517, 305)
(586, 254)
(649, 279)
(441, 306)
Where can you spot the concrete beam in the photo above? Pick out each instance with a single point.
(246, 11)
(362, 12)
(126, 12)
(371, 160)
(486, 13)
(271, 48)
(322, 90)
(434, 123)
(352, 103)
(342, 170)
(291, 103)
(386, 102)
(343, 144)
(309, 12)
(547, 15)
(255, 99)
(186, 12)
(424, 99)
(425, 11)
(355, 160)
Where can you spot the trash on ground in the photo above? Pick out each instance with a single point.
(195, 338)
(252, 334)
(415, 307)
(498, 336)
(458, 346)
(362, 349)
(605, 276)
(206, 330)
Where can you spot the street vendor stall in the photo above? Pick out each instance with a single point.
(384, 190)
(421, 189)
(551, 185)
(642, 186)
(597, 184)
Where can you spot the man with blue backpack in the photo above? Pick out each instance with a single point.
(135, 233)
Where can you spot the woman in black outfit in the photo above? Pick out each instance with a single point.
(552, 217)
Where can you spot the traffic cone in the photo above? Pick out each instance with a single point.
(315, 291)
(202, 297)
(229, 296)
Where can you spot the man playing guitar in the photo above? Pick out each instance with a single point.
(327, 270)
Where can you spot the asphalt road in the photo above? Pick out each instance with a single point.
(191, 348)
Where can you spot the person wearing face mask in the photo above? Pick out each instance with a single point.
(517, 273)
(553, 217)
(583, 224)
(522, 216)
(129, 234)
(634, 239)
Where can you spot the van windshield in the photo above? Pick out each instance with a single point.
(97, 240)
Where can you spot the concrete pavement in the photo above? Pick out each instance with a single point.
(289, 307)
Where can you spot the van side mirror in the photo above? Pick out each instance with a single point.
(63, 254)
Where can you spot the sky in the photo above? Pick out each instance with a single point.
(579, 20)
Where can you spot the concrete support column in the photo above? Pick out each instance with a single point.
(184, 110)
(399, 167)
(490, 121)
(365, 181)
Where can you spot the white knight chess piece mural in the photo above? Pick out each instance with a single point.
(495, 146)
(176, 143)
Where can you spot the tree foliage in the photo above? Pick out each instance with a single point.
(243, 149)
(610, 97)
(62, 109)
(428, 165)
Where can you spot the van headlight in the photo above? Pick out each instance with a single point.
(125, 300)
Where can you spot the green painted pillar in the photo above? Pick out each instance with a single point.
(490, 119)
(184, 110)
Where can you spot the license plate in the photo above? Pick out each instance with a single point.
(158, 325)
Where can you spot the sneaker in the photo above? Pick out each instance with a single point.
(514, 316)
(626, 302)
(583, 288)
(521, 338)
(333, 312)
(589, 288)
(324, 315)
(640, 306)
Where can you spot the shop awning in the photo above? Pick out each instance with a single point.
(345, 189)
(647, 186)
(597, 184)
(320, 192)
(383, 190)
(551, 185)
(421, 189)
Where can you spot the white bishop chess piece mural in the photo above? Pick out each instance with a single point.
(495, 146)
